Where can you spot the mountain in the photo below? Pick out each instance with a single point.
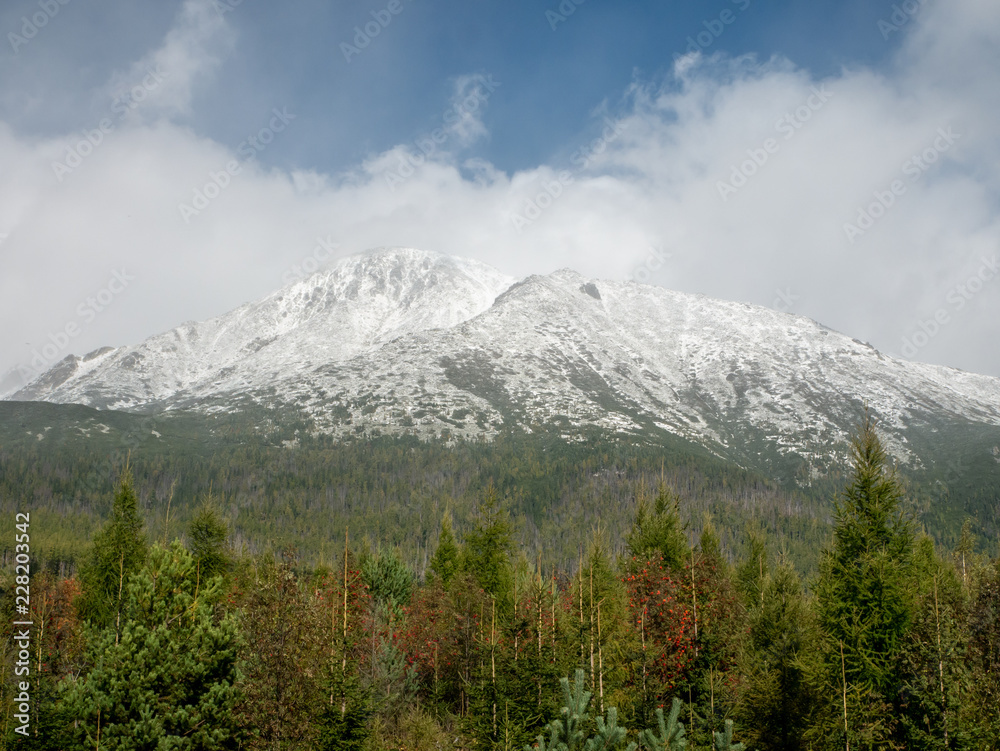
(405, 341)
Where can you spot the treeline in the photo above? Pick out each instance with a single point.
(894, 642)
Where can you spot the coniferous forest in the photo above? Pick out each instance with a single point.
(647, 638)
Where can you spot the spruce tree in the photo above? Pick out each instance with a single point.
(657, 530)
(488, 548)
(118, 551)
(209, 540)
(447, 557)
(865, 590)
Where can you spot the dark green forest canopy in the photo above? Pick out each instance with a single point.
(394, 490)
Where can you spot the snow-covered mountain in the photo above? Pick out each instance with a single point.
(400, 340)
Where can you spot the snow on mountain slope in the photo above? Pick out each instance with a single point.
(400, 340)
(562, 350)
(331, 316)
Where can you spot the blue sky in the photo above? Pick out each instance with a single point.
(395, 88)
(748, 169)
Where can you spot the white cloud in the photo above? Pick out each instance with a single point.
(653, 183)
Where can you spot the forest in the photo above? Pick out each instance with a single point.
(651, 634)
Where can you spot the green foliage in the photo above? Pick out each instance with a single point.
(447, 558)
(570, 733)
(658, 530)
(389, 581)
(118, 551)
(488, 548)
(668, 734)
(866, 589)
(865, 583)
(777, 699)
(209, 536)
(724, 741)
(169, 680)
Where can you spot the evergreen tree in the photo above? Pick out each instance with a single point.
(447, 557)
(865, 592)
(169, 680)
(118, 551)
(570, 733)
(488, 549)
(209, 541)
(776, 700)
(668, 734)
(657, 529)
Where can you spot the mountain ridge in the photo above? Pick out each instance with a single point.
(407, 341)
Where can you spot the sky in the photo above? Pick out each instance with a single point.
(165, 162)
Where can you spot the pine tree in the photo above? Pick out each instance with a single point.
(669, 733)
(570, 733)
(169, 680)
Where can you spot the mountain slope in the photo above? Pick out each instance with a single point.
(403, 341)
(331, 316)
